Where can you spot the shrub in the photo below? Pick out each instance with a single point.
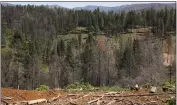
(147, 85)
(42, 87)
(87, 87)
(5, 51)
(166, 85)
(45, 68)
(172, 102)
(106, 88)
(83, 86)
(173, 81)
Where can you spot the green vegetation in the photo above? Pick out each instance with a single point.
(68, 37)
(78, 86)
(5, 50)
(107, 88)
(169, 85)
(42, 88)
(57, 47)
(147, 85)
(81, 28)
(87, 87)
(45, 68)
(172, 102)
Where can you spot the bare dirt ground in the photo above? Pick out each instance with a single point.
(14, 96)
(141, 97)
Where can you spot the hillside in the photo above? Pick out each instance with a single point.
(58, 47)
(127, 8)
(52, 55)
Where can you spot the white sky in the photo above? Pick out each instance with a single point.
(82, 4)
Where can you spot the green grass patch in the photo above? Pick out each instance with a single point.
(114, 39)
(81, 28)
(107, 88)
(147, 85)
(79, 86)
(171, 102)
(42, 88)
(45, 68)
(169, 86)
(88, 87)
(69, 37)
(5, 50)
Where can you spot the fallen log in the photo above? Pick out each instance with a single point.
(111, 102)
(76, 100)
(6, 98)
(20, 103)
(53, 99)
(129, 102)
(3, 101)
(86, 95)
(83, 96)
(151, 94)
(36, 101)
(92, 101)
(72, 103)
(153, 101)
(99, 102)
(110, 93)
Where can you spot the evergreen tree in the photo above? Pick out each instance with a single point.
(128, 60)
(70, 58)
(61, 48)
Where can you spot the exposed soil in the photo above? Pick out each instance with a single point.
(141, 97)
(26, 95)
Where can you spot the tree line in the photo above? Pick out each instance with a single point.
(34, 52)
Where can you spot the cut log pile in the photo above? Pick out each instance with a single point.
(53, 97)
(140, 97)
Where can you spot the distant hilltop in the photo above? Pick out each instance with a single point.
(116, 9)
(126, 8)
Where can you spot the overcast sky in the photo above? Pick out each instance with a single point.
(82, 4)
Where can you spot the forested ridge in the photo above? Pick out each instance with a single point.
(137, 7)
(59, 46)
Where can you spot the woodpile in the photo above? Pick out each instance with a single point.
(141, 97)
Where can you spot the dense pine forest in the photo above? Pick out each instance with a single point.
(58, 46)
